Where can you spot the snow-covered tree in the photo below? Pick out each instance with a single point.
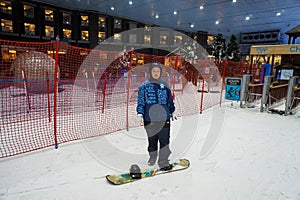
(219, 47)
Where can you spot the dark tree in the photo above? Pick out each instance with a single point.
(233, 51)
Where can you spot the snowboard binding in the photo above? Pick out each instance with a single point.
(135, 172)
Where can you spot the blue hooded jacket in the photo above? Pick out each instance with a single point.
(155, 101)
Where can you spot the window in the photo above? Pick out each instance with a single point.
(132, 38)
(5, 7)
(163, 38)
(29, 29)
(49, 15)
(210, 40)
(178, 39)
(101, 22)
(118, 23)
(67, 18)
(67, 33)
(101, 36)
(6, 25)
(28, 11)
(85, 35)
(49, 31)
(147, 39)
(84, 20)
(132, 25)
(117, 38)
(147, 34)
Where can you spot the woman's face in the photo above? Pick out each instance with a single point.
(155, 72)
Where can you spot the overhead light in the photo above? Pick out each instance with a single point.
(112, 8)
(175, 12)
(247, 18)
(217, 22)
(233, 1)
(278, 14)
(192, 25)
(156, 16)
(130, 2)
(201, 7)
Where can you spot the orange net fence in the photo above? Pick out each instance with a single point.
(52, 92)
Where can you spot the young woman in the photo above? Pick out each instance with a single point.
(155, 107)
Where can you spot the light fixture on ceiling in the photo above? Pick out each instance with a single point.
(278, 13)
(247, 18)
(217, 22)
(156, 16)
(175, 12)
(130, 2)
(201, 7)
(112, 8)
(233, 1)
(192, 25)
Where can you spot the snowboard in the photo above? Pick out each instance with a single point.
(120, 179)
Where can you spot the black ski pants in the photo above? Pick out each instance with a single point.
(158, 132)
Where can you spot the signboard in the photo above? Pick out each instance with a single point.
(275, 49)
(233, 88)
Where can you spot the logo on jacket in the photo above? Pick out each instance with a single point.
(162, 86)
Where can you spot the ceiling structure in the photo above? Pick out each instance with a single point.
(213, 16)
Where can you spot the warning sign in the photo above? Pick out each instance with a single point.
(233, 88)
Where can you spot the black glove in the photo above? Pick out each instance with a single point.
(173, 116)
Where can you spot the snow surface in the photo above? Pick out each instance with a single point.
(235, 154)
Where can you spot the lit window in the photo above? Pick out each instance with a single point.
(5, 7)
(147, 39)
(84, 35)
(210, 40)
(101, 22)
(101, 36)
(177, 39)
(49, 15)
(67, 33)
(29, 29)
(49, 31)
(6, 25)
(118, 23)
(84, 20)
(28, 11)
(163, 37)
(67, 18)
(117, 37)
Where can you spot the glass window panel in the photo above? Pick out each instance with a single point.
(6, 25)
(118, 23)
(49, 15)
(163, 40)
(147, 39)
(29, 29)
(210, 40)
(67, 33)
(84, 35)
(117, 37)
(5, 7)
(178, 39)
(132, 38)
(67, 18)
(101, 22)
(132, 25)
(101, 36)
(49, 31)
(84, 20)
(28, 11)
